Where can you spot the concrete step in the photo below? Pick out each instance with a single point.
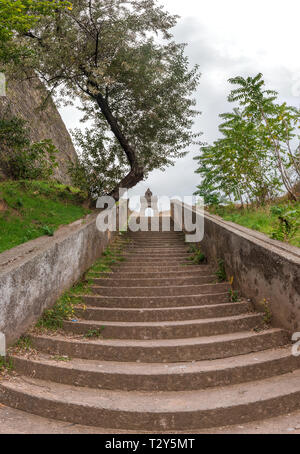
(188, 410)
(130, 253)
(166, 330)
(162, 350)
(166, 314)
(162, 242)
(170, 351)
(153, 282)
(215, 297)
(15, 421)
(158, 377)
(156, 247)
(163, 275)
(158, 268)
(174, 244)
(161, 291)
(172, 260)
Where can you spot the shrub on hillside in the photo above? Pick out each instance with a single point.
(19, 158)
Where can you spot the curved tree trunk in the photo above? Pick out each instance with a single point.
(136, 173)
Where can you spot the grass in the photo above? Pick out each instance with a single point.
(53, 318)
(197, 257)
(94, 333)
(221, 273)
(262, 219)
(24, 343)
(30, 209)
(65, 307)
(6, 365)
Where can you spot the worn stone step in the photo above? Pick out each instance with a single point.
(155, 301)
(179, 242)
(158, 247)
(153, 282)
(163, 350)
(158, 377)
(166, 330)
(166, 314)
(167, 245)
(161, 291)
(164, 242)
(153, 234)
(153, 254)
(188, 410)
(122, 274)
(132, 252)
(157, 239)
(172, 260)
(156, 262)
(158, 268)
(153, 258)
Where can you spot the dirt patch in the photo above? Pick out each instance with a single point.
(3, 206)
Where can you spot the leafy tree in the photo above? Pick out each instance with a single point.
(280, 123)
(134, 82)
(18, 16)
(253, 159)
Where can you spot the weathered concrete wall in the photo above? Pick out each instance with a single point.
(261, 267)
(33, 275)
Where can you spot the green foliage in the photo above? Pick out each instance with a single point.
(197, 256)
(233, 296)
(19, 158)
(36, 208)
(47, 230)
(18, 17)
(96, 171)
(265, 219)
(53, 319)
(23, 344)
(134, 82)
(6, 365)
(288, 223)
(254, 160)
(221, 272)
(267, 317)
(94, 333)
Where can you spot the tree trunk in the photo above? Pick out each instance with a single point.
(128, 149)
(134, 176)
(136, 173)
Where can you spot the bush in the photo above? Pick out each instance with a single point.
(288, 222)
(19, 158)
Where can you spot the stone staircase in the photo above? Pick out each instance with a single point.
(174, 354)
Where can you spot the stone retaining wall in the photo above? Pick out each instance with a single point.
(262, 268)
(33, 275)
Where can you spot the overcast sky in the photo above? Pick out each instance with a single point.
(227, 38)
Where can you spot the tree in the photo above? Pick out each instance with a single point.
(280, 123)
(134, 82)
(253, 159)
(18, 16)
